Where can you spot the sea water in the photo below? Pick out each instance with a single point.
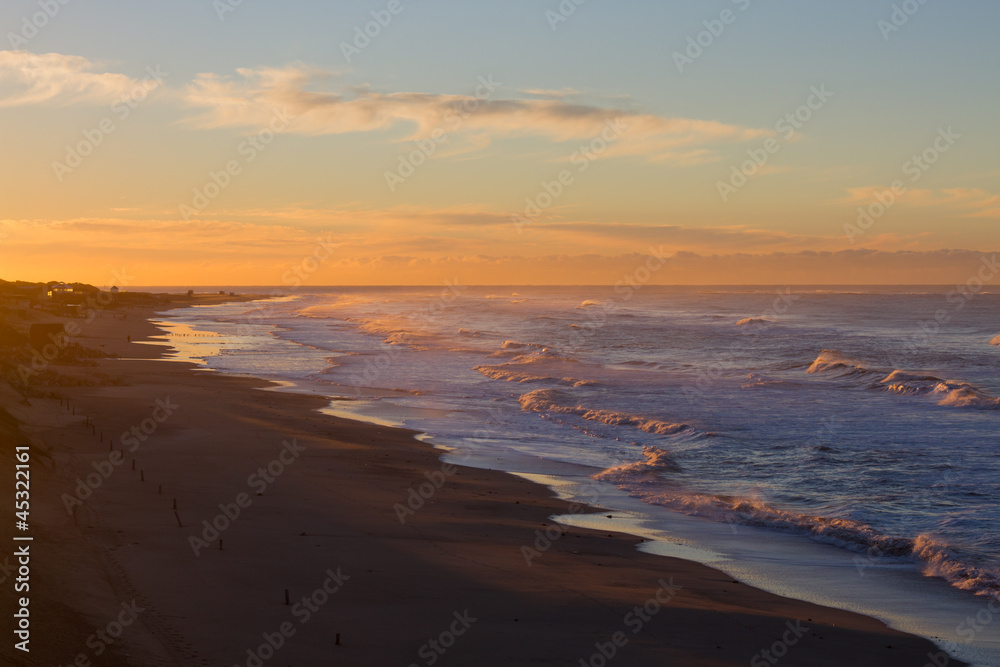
(836, 445)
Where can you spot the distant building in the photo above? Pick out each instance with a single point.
(114, 289)
(59, 289)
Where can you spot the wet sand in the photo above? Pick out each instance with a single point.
(312, 504)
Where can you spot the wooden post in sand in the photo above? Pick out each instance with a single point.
(175, 504)
(142, 476)
(287, 601)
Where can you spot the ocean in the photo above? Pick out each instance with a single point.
(839, 445)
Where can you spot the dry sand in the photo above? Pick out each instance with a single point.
(330, 511)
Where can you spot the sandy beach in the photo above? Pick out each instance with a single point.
(183, 517)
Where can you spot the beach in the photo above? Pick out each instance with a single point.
(229, 525)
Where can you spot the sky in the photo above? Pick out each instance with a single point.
(248, 142)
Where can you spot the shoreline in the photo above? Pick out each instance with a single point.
(399, 583)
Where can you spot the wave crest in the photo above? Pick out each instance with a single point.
(547, 400)
(834, 361)
(962, 395)
(936, 559)
(950, 393)
(655, 460)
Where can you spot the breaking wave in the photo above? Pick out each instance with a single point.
(547, 400)
(832, 361)
(644, 479)
(509, 373)
(753, 321)
(953, 393)
(950, 393)
(655, 460)
(963, 395)
(995, 341)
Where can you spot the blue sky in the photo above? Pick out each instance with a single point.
(890, 98)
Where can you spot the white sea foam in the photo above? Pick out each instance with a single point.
(962, 395)
(833, 361)
(649, 479)
(548, 400)
(922, 486)
(951, 393)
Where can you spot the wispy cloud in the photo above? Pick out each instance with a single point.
(321, 104)
(965, 202)
(58, 80)
(321, 107)
(543, 92)
(377, 251)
